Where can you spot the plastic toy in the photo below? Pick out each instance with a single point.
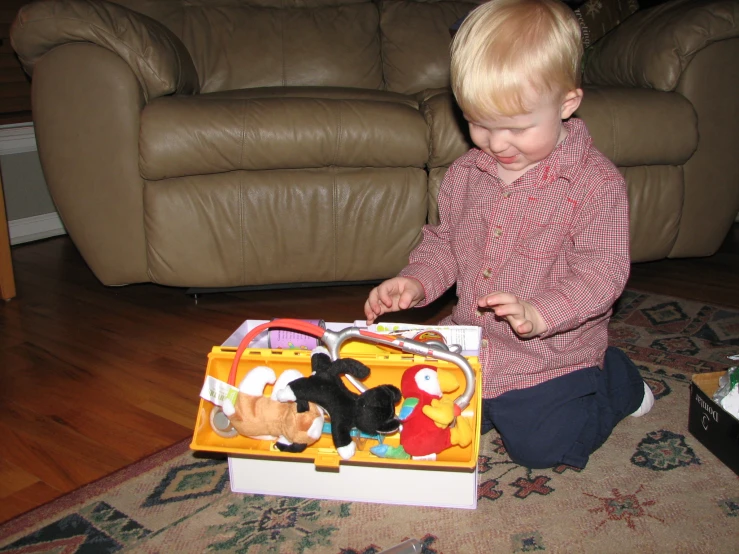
(217, 435)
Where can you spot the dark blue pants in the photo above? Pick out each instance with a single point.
(564, 420)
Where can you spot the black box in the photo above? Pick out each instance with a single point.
(710, 423)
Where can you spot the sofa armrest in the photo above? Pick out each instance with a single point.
(652, 48)
(158, 59)
(448, 134)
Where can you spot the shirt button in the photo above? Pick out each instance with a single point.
(498, 232)
(486, 273)
(484, 343)
(479, 313)
(506, 194)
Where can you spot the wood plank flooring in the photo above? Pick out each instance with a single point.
(94, 378)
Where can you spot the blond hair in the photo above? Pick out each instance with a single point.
(506, 47)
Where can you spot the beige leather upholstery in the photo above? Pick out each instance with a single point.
(89, 154)
(199, 135)
(415, 42)
(711, 176)
(653, 49)
(341, 224)
(156, 56)
(691, 48)
(216, 143)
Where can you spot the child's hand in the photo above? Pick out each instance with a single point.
(524, 319)
(398, 293)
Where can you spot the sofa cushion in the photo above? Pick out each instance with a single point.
(216, 133)
(259, 227)
(255, 43)
(415, 42)
(656, 198)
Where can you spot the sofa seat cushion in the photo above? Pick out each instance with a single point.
(245, 228)
(267, 129)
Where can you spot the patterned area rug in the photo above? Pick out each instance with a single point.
(651, 488)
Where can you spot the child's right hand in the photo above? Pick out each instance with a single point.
(398, 293)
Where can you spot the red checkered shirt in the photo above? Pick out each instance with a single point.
(557, 237)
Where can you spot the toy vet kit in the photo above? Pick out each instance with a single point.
(323, 423)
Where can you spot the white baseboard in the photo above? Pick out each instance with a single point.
(35, 228)
(17, 138)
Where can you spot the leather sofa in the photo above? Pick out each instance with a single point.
(230, 143)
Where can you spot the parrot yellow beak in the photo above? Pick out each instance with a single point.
(447, 381)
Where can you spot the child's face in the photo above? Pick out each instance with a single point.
(519, 142)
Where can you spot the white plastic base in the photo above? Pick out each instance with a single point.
(383, 485)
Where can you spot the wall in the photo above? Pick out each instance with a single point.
(30, 209)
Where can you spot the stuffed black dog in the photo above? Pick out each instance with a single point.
(371, 412)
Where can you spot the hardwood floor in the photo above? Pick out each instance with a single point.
(95, 378)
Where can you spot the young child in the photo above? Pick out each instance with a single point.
(534, 231)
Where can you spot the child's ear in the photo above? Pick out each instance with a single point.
(571, 102)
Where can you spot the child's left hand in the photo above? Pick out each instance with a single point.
(524, 319)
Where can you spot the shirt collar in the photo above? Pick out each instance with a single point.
(562, 162)
(486, 164)
(573, 150)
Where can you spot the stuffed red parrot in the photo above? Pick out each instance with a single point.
(426, 416)
(421, 435)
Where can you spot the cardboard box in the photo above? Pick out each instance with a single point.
(710, 423)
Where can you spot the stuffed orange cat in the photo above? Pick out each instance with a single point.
(263, 417)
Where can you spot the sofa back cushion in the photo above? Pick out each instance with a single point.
(239, 44)
(416, 40)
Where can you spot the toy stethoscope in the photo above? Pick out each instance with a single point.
(333, 341)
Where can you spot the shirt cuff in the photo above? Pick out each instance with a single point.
(557, 312)
(427, 277)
